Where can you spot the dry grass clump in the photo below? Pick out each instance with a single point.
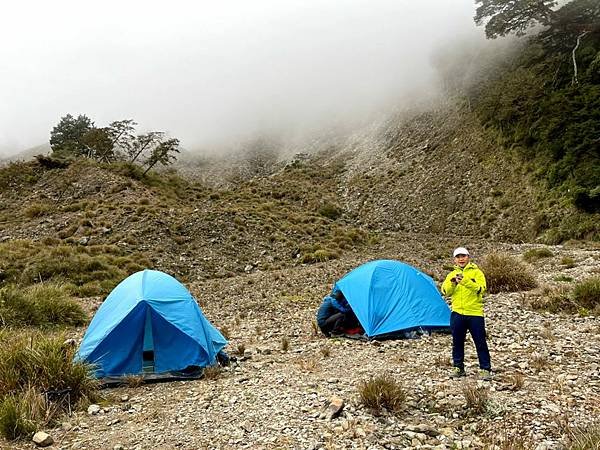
(325, 351)
(586, 437)
(505, 273)
(515, 381)
(552, 299)
(534, 254)
(37, 210)
(382, 392)
(477, 397)
(21, 415)
(568, 262)
(211, 372)
(38, 380)
(133, 381)
(285, 344)
(309, 364)
(442, 361)
(510, 439)
(240, 349)
(539, 361)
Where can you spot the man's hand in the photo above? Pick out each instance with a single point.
(457, 278)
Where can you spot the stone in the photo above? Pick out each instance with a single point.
(93, 410)
(42, 439)
(335, 407)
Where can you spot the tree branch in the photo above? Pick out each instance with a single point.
(575, 80)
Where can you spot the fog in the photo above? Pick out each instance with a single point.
(216, 72)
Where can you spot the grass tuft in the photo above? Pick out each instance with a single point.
(505, 273)
(40, 305)
(585, 437)
(38, 381)
(535, 254)
(586, 294)
(477, 397)
(382, 392)
(211, 373)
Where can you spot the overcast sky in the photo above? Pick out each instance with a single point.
(206, 71)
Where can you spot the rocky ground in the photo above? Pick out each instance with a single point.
(277, 395)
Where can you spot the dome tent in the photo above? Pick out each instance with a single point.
(390, 298)
(149, 325)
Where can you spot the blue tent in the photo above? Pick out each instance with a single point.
(390, 297)
(149, 324)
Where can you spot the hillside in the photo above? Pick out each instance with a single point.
(259, 249)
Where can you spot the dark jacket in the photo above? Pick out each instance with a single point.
(329, 307)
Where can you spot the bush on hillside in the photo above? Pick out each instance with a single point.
(91, 270)
(38, 379)
(21, 415)
(505, 273)
(39, 306)
(586, 294)
(583, 298)
(537, 253)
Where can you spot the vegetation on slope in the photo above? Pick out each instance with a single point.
(546, 107)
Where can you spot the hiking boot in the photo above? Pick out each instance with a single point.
(485, 375)
(457, 372)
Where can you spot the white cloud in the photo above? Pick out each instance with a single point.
(206, 71)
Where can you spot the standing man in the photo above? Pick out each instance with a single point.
(466, 287)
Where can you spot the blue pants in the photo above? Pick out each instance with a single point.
(459, 325)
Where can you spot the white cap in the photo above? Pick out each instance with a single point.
(460, 251)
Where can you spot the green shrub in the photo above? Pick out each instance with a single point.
(564, 278)
(41, 361)
(55, 306)
(19, 173)
(537, 253)
(586, 294)
(553, 300)
(20, 415)
(37, 210)
(382, 392)
(16, 308)
(39, 305)
(319, 255)
(25, 262)
(568, 262)
(330, 211)
(505, 273)
(38, 379)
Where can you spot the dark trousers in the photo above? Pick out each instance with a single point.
(339, 322)
(459, 325)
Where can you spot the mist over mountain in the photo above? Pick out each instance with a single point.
(214, 74)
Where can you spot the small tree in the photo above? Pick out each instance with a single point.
(67, 136)
(502, 17)
(121, 133)
(98, 145)
(143, 143)
(163, 153)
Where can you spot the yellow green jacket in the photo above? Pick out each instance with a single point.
(467, 296)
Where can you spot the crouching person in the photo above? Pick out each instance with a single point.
(335, 315)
